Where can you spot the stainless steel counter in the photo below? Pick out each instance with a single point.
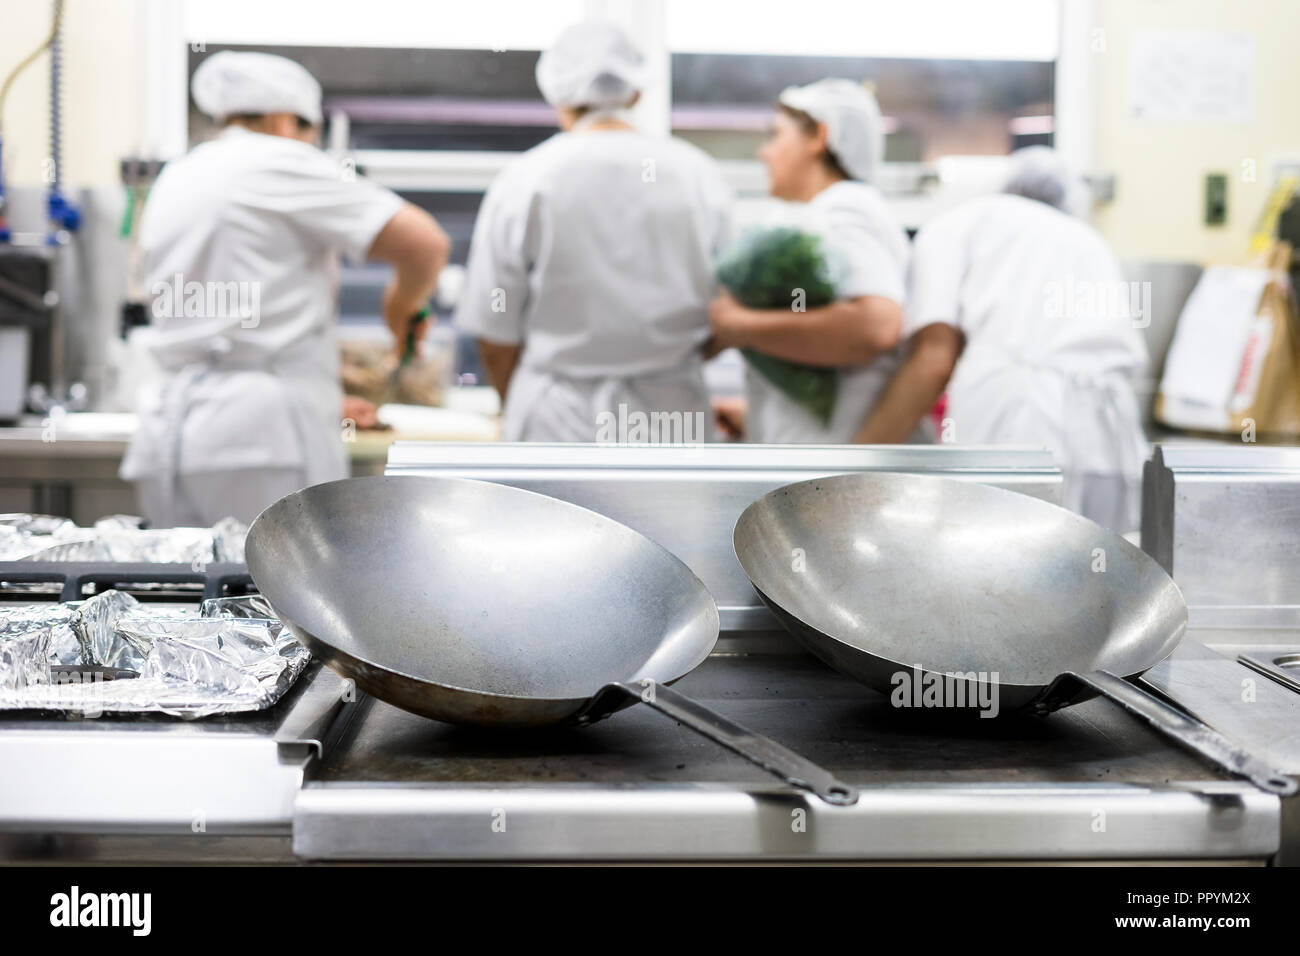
(70, 469)
(324, 779)
(73, 787)
(76, 475)
(1225, 522)
(1088, 783)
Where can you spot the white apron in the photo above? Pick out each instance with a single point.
(247, 418)
(547, 406)
(1089, 421)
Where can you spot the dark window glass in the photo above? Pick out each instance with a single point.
(421, 99)
(933, 108)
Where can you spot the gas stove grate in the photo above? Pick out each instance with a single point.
(76, 580)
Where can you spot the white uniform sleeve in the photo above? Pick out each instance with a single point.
(714, 213)
(320, 198)
(491, 306)
(939, 266)
(866, 264)
(719, 200)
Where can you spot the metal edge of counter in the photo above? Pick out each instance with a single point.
(1094, 822)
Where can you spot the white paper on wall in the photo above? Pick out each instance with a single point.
(1192, 76)
(1204, 360)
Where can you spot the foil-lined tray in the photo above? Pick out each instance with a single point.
(30, 537)
(110, 654)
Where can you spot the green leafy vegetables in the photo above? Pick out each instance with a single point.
(766, 270)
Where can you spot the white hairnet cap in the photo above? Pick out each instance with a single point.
(591, 64)
(230, 83)
(854, 130)
(1041, 173)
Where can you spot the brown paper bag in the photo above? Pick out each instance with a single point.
(1265, 399)
(1271, 396)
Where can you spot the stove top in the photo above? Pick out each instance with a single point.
(76, 580)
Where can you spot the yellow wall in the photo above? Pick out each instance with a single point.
(103, 105)
(1158, 212)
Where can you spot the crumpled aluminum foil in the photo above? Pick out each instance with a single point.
(228, 536)
(36, 524)
(243, 605)
(85, 550)
(225, 655)
(24, 655)
(64, 646)
(13, 543)
(25, 537)
(232, 659)
(192, 546)
(96, 626)
(110, 523)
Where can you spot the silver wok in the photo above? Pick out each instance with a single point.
(477, 603)
(889, 578)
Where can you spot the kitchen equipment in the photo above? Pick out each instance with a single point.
(891, 578)
(1283, 668)
(76, 580)
(476, 603)
(689, 498)
(203, 669)
(1222, 521)
(25, 277)
(328, 775)
(14, 346)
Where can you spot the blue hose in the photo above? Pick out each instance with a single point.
(4, 223)
(62, 215)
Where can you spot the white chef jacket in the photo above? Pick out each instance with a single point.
(595, 250)
(1052, 343)
(248, 228)
(868, 253)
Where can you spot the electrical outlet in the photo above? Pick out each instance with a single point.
(1216, 199)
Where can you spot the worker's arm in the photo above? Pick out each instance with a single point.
(915, 387)
(729, 415)
(415, 245)
(361, 412)
(499, 360)
(850, 332)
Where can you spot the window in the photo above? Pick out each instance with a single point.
(416, 99)
(984, 85)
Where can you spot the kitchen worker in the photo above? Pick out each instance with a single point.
(590, 269)
(824, 150)
(239, 246)
(1019, 310)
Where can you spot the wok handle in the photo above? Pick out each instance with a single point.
(1189, 732)
(795, 770)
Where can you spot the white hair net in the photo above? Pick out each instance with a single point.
(591, 64)
(854, 130)
(230, 83)
(1041, 173)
